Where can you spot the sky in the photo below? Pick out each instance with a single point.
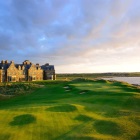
(77, 36)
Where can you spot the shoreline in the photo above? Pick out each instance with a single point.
(135, 81)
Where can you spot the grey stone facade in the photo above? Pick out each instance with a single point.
(27, 71)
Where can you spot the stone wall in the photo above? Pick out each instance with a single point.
(12, 73)
(49, 75)
(35, 73)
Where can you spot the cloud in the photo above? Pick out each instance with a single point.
(70, 32)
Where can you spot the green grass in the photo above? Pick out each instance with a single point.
(81, 109)
(22, 120)
(62, 108)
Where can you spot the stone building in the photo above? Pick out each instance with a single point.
(27, 71)
(48, 72)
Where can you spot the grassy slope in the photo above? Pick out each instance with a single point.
(83, 110)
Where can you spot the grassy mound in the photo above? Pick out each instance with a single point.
(17, 88)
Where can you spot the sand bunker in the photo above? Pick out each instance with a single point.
(82, 92)
(67, 90)
(66, 87)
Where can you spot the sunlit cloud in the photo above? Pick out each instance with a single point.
(74, 35)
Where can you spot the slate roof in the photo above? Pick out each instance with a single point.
(16, 65)
(47, 67)
(27, 66)
(4, 66)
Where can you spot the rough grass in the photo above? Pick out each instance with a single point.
(12, 89)
(106, 111)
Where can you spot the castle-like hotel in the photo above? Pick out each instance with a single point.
(27, 71)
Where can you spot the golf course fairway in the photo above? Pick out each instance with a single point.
(73, 110)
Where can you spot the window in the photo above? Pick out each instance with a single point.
(21, 79)
(13, 79)
(3, 72)
(9, 79)
(34, 78)
(23, 71)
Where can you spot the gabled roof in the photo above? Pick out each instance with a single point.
(22, 65)
(5, 66)
(17, 65)
(27, 66)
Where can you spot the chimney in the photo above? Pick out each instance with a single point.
(24, 63)
(2, 62)
(12, 61)
(47, 64)
(6, 61)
